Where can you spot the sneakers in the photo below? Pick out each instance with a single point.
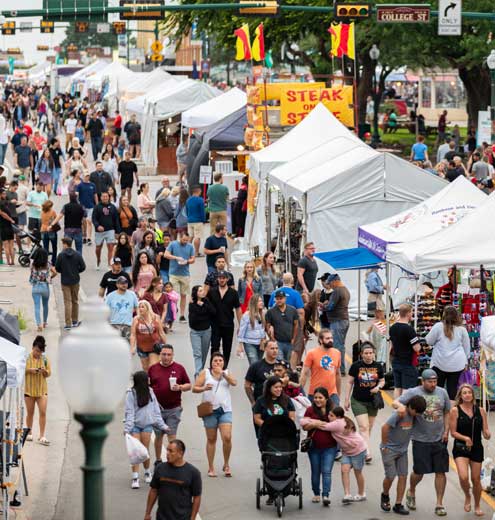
(347, 499)
(385, 502)
(97, 267)
(67, 327)
(359, 498)
(400, 509)
(338, 456)
(147, 477)
(76, 324)
(88, 242)
(135, 483)
(85, 240)
(182, 319)
(326, 501)
(410, 501)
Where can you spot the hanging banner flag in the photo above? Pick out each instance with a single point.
(342, 36)
(296, 102)
(243, 43)
(258, 47)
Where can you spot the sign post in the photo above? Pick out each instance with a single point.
(205, 175)
(450, 17)
(403, 13)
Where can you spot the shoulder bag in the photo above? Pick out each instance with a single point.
(378, 402)
(206, 407)
(307, 443)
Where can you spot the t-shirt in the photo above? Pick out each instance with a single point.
(257, 374)
(121, 307)
(366, 377)
(87, 191)
(195, 209)
(311, 270)
(293, 298)
(36, 198)
(338, 304)
(283, 322)
(324, 365)
(403, 338)
(185, 251)
(217, 197)
(213, 242)
(453, 173)
(23, 156)
(176, 485)
(400, 432)
(70, 125)
(321, 438)
(419, 151)
(159, 380)
(429, 427)
(127, 170)
(109, 280)
(261, 407)
(211, 279)
(73, 214)
(164, 262)
(225, 306)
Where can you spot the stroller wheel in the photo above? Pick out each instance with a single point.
(279, 504)
(258, 493)
(300, 493)
(24, 260)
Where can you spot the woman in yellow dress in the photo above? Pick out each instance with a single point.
(36, 388)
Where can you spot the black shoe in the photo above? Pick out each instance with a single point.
(85, 240)
(400, 509)
(182, 319)
(385, 502)
(76, 324)
(270, 501)
(326, 501)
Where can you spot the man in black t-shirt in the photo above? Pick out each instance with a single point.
(108, 283)
(163, 263)
(95, 129)
(177, 485)
(307, 269)
(73, 214)
(128, 172)
(405, 345)
(260, 371)
(215, 246)
(211, 280)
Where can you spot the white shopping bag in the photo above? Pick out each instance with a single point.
(136, 451)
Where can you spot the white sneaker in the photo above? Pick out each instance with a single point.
(359, 498)
(347, 499)
(147, 477)
(135, 483)
(97, 267)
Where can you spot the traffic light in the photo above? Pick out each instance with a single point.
(8, 28)
(119, 27)
(82, 27)
(352, 11)
(47, 27)
(266, 8)
(42, 47)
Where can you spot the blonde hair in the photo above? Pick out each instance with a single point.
(150, 315)
(244, 273)
(175, 191)
(255, 313)
(458, 398)
(164, 193)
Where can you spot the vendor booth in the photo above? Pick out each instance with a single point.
(78, 79)
(110, 80)
(39, 73)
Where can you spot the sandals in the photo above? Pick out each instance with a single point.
(385, 502)
(212, 474)
(440, 511)
(478, 512)
(44, 441)
(411, 502)
(226, 471)
(315, 499)
(29, 437)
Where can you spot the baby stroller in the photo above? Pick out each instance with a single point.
(35, 236)
(278, 442)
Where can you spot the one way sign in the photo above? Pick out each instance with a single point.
(450, 17)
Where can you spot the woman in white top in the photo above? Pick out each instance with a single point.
(145, 204)
(110, 166)
(451, 349)
(214, 383)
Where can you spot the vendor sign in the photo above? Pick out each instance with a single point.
(296, 102)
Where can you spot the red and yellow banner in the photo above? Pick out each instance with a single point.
(243, 43)
(296, 102)
(342, 36)
(258, 46)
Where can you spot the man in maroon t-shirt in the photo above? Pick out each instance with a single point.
(168, 380)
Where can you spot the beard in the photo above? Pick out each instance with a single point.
(328, 344)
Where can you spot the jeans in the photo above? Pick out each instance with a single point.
(224, 335)
(3, 152)
(56, 174)
(253, 352)
(321, 460)
(200, 342)
(50, 237)
(41, 295)
(77, 237)
(96, 146)
(339, 330)
(284, 350)
(164, 275)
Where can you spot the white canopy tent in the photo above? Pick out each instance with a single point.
(40, 72)
(15, 356)
(214, 110)
(79, 77)
(114, 74)
(145, 82)
(165, 104)
(455, 201)
(467, 243)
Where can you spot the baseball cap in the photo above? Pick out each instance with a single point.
(122, 279)
(222, 274)
(151, 219)
(332, 278)
(116, 260)
(280, 294)
(428, 374)
(324, 276)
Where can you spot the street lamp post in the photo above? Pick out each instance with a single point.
(375, 55)
(490, 61)
(94, 364)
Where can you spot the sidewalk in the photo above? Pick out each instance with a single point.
(43, 464)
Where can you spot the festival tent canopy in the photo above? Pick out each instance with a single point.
(168, 103)
(350, 259)
(114, 74)
(81, 75)
(466, 243)
(214, 110)
(444, 208)
(15, 357)
(39, 71)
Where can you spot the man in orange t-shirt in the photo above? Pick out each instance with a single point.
(322, 365)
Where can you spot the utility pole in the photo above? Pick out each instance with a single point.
(128, 37)
(157, 34)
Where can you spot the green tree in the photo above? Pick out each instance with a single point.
(88, 39)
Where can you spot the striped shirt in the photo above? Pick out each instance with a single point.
(35, 385)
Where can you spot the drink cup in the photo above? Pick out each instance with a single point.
(172, 381)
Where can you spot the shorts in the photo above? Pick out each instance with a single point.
(142, 354)
(117, 131)
(171, 418)
(6, 233)
(22, 218)
(126, 185)
(135, 141)
(476, 454)
(378, 300)
(405, 376)
(195, 230)
(394, 463)
(146, 429)
(105, 236)
(363, 408)
(181, 283)
(430, 457)
(34, 223)
(216, 418)
(355, 461)
(89, 213)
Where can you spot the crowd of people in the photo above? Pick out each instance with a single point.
(151, 242)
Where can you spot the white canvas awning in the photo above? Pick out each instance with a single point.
(15, 356)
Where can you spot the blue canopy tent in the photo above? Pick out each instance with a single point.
(354, 259)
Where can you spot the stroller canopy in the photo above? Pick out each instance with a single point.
(278, 433)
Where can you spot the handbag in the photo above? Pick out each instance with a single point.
(461, 447)
(205, 408)
(55, 227)
(378, 402)
(307, 443)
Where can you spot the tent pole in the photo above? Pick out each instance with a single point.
(304, 222)
(387, 301)
(268, 215)
(287, 233)
(416, 304)
(359, 306)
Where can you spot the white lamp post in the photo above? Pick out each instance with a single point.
(94, 368)
(375, 56)
(490, 61)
